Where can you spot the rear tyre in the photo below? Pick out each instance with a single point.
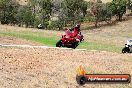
(125, 50)
(75, 45)
(59, 43)
(128, 50)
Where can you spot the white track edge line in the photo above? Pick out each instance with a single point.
(30, 46)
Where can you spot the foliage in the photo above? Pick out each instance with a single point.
(46, 9)
(24, 16)
(33, 5)
(8, 11)
(129, 5)
(72, 11)
(67, 12)
(101, 12)
(29, 15)
(58, 24)
(118, 8)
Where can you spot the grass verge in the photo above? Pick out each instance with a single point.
(100, 47)
(51, 41)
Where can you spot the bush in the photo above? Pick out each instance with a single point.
(72, 11)
(118, 8)
(58, 24)
(8, 11)
(89, 19)
(101, 12)
(25, 17)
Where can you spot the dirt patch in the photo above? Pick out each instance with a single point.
(55, 68)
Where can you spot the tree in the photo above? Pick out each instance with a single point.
(33, 5)
(46, 9)
(73, 10)
(8, 11)
(129, 4)
(101, 12)
(24, 16)
(118, 8)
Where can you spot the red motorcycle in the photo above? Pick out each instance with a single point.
(69, 41)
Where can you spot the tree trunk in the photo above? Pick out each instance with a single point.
(34, 14)
(96, 22)
(120, 17)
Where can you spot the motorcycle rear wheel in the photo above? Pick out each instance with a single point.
(125, 50)
(75, 45)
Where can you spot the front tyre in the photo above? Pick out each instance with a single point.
(59, 43)
(124, 50)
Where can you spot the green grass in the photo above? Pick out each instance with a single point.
(99, 46)
(51, 40)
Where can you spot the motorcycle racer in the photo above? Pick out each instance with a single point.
(71, 38)
(77, 33)
(76, 30)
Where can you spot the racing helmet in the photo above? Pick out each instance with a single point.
(78, 27)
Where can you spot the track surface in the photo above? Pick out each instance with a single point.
(56, 68)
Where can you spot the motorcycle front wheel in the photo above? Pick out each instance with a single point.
(59, 43)
(123, 50)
